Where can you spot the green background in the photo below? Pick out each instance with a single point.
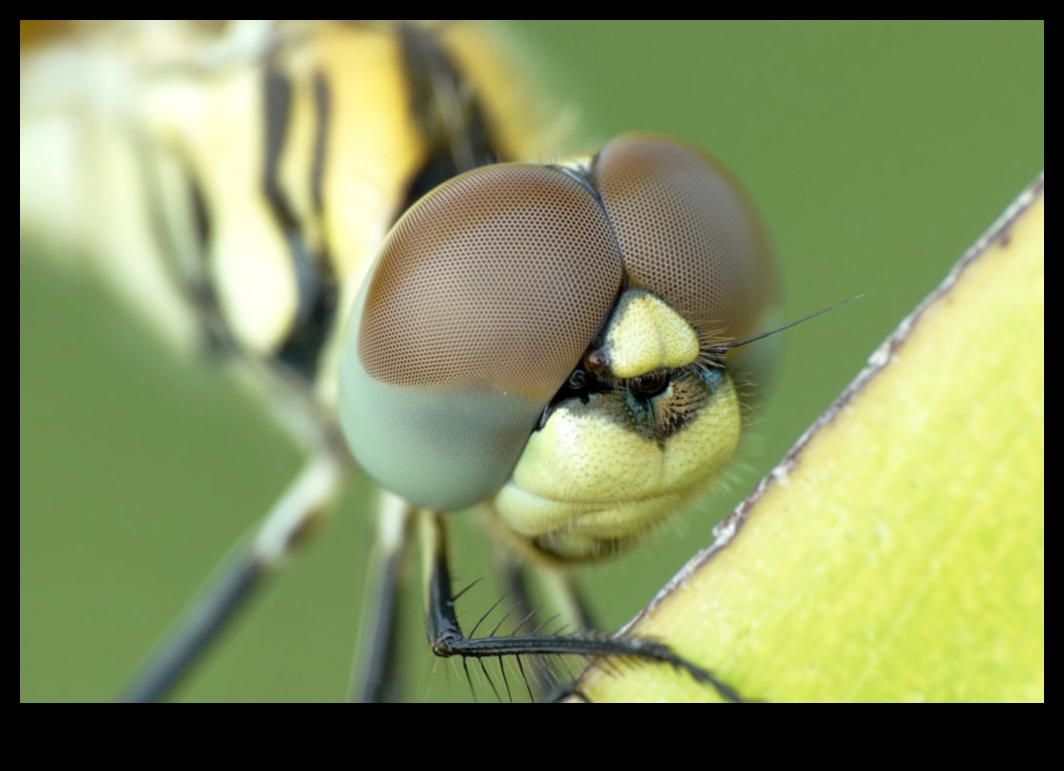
(878, 152)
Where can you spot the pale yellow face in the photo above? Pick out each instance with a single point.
(610, 463)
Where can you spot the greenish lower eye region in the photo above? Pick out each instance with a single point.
(443, 449)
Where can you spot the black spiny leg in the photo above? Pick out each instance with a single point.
(377, 676)
(560, 594)
(447, 639)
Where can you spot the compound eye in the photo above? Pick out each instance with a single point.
(485, 295)
(689, 233)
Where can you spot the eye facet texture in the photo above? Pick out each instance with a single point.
(688, 233)
(486, 294)
(489, 290)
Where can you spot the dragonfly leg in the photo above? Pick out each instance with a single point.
(310, 495)
(377, 677)
(559, 592)
(447, 638)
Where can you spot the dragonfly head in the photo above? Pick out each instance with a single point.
(549, 338)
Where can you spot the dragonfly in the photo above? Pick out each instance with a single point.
(212, 92)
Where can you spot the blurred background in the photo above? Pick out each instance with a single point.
(878, 152)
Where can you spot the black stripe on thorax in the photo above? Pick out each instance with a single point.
(322, 114)
(315, 281)
(446, 110)
(189, 272)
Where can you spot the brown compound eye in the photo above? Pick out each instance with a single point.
(485, 295)
(688, 233)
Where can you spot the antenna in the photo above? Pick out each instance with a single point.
(727, 346)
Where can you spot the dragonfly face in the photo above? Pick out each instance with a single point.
(550, 334)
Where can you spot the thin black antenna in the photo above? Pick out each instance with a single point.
(727, 346)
